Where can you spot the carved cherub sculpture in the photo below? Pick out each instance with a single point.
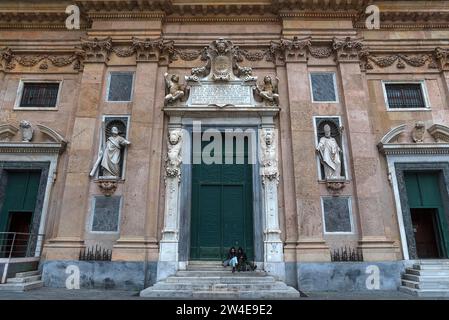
(26, 131)
(173, 89)
(269, 157)
(268, 91)
(174, 158)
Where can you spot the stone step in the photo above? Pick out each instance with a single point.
(425, 285)
(261, 294)
(432, 278)
(425, 293)
(220, 273)
(433, 261)
(167, 294)
(431, 267)
(24, 279)
(27, 274)
(206, 279)
(208, 295)
(417, 272)
(220, 286)
(24, 286)
(204, 262)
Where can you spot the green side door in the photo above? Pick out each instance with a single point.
(222, 208)
(20, 196)
(423, 192)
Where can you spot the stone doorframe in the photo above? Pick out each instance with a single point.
(175, 243)
(413, 149)
(47, 164)
(420, 164)
(18, 154)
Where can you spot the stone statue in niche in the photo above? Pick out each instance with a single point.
(269, 162)
(330, 155)
(174, 158)
(418, 132)
(26, 130)
(110, 157)
(268, 91)
(173, 89)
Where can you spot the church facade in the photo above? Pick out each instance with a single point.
(164, 132)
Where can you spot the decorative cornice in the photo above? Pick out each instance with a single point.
(25, 147)
(52, 20)
(218, 19)
(280, 51)
(9, 60)
(320, 14)
(134, 15)
(413, 149)
(401, 60)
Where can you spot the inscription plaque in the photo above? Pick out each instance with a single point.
(220, 94)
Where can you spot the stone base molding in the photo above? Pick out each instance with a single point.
(63, 248)
(135, 249)
(312, 250)
(378, 249)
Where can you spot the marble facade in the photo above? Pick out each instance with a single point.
(154, 39)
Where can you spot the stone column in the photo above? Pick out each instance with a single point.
(311, 246)
(365, 157)
(168, 254)
(287, 193)
(273, 246)
(133, 244)
(71, 221)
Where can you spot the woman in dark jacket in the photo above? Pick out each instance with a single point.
(243, 261)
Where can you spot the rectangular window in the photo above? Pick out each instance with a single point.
(337, 214)
(120, 86)
(39, 95)
(405, 96)
(324, 88)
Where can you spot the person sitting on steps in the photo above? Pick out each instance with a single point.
(231, 259)
(243, 263)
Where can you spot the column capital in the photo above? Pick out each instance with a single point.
(97, 50)
(348, 50)
(294, 50)
(442, 55)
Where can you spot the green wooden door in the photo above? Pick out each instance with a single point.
(221, 208)
(423, 192)
(20, 196)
